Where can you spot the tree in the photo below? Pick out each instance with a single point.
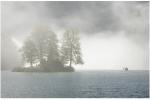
(47, 46)
(53, 58)
(42, 47)
(40, 37)
(52, 47)
(70, 50)
(29, 52)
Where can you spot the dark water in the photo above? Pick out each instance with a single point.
(91, 84)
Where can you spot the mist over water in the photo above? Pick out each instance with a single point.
(113, 34)
(55, 49)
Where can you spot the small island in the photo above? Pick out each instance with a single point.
(44, 53)
(56, 69)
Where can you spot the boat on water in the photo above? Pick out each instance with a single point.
(125, 69)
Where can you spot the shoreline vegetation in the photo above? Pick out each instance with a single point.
(29, 69)
(43, 52)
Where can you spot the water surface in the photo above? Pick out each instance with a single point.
(82, 84)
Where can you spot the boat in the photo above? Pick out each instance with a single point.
(125, 69)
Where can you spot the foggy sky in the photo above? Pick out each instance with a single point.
(113, 34)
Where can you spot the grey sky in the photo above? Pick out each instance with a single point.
(113, 22)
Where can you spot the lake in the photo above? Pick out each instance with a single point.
(80, 84)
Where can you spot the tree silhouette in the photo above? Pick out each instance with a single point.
(41, 47)
(52, 47)
(29, 52)
(40, 37)
(70, 50)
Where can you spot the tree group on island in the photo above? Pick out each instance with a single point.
(43, 51)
